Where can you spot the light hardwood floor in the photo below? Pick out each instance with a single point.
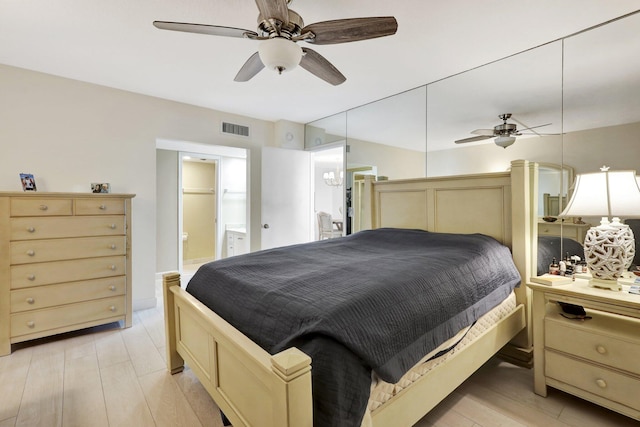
(107, 376)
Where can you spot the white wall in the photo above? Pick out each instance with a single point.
(70, 133)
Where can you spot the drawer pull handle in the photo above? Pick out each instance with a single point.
(112, 267)
(112, 226)
(44, 207)
(30, 300)
(601, 383)
(31, 277)
(103, 207)
(31, 229)
(31, 252)
(112, 308)
(112, 288)
(112, 246)
(601, 349)
(31, 324)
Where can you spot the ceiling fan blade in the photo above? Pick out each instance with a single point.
(274, 9)
(483, 132)
(212, 30)
(250, 68)
(351, 30)
(317, 65)
(473, 139)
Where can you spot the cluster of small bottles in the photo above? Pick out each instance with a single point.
(568, 266)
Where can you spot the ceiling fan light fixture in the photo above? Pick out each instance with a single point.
(505, 141)
(280, 54)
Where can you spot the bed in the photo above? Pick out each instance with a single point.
(255, 388)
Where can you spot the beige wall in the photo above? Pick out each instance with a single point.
(70, 133)
(392, 162)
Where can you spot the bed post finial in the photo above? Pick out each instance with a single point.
(175, 362)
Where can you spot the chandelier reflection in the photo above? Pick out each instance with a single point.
(333, 179)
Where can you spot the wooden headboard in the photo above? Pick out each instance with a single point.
(501, 205)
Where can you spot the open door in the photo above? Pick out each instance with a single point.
(287, 212)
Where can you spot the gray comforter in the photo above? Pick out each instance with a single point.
(375, 300)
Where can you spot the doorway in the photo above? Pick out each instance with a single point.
(199, 177)
(329, 182)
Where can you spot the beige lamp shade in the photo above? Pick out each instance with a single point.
(606, 193)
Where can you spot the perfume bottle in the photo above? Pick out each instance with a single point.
(554, 267)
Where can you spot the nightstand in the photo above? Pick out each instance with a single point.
(595, 359)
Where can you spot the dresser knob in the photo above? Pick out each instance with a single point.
(102, 207)
(112, 267)
(31, 252)
(112, 308)
(31, 277)
(31, 229)
(601, 383)
(31, 324)
(112, 226)
(112, 246)
(44, 207)
(30, 300)
(112, 288)
(601, 349)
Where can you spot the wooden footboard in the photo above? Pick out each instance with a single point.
(254, 388)
(251, 387)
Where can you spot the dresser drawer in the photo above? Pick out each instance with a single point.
(40, 207)
(609, 384)
(32, 322)
(30, 251)
(46, 273)
(70, 226)
(593, 339)
(65, 293)
(99, 206)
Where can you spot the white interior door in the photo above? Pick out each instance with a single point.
(286, 197)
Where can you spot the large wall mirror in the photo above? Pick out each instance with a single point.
(580, 96)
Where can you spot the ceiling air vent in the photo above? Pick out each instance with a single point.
(234, 129)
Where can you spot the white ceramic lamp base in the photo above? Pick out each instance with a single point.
(608, 251)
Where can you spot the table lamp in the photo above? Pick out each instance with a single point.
(609, 248)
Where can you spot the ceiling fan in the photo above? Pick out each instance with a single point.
(279, 28)
(505, 133)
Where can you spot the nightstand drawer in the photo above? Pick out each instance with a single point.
(46, 273)
(30, 251)
(601, 339)
(99, 206)
(41, 207)
(609, 384)
(65, 293)
(33, 322)
(72, 226)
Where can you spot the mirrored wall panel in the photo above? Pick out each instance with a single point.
(480, 120)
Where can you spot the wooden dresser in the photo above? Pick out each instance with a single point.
(65, 265)
(595, 358)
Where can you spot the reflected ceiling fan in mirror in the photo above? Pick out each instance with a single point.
(279, 30)
(505, 133)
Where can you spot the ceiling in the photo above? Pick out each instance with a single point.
(113, 43)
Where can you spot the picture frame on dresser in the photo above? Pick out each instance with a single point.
(68, 263)
(28, 182)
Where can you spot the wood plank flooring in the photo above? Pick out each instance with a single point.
(106, 376)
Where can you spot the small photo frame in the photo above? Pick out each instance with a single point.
(28, 182)
(100, 187)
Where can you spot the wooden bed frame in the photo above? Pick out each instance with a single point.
(254, 388)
